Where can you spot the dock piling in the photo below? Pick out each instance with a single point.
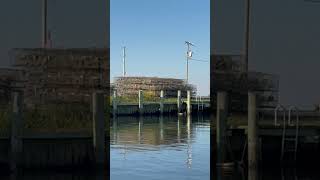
(114, 103)
(179, 101)
(161, 101)
(188, 102)
(98, 127)
(140, 102)
(221, 126)
(252, 130)
(16, 128)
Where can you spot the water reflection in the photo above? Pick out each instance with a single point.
(189, 147)
(176, 147)
(150, 134)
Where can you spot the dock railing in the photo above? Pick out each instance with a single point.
(279, 107)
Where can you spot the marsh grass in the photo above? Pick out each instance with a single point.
(147, 98)
(51, 118)
(5, 112)
(58, 117)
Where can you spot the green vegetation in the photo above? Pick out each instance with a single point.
(126, 99)
(58, 117)
(148, 97)
(4, 120)
(65, 117)
(51, 118)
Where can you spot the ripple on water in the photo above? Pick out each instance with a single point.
(158, 149)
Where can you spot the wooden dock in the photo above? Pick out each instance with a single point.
(27, 148)
(287, 133)
(196, 104)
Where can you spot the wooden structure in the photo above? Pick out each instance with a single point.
(226, 75)
(130, 86)
(62, 75)
(10, 80)
(44, 148)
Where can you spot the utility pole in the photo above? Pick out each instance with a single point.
(246, 36)
(44, 23)
(124, 62)
(189, 56)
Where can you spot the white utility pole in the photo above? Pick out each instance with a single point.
(189, 56)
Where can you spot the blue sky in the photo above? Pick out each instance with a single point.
(154, 33)
(285, 38)
(81, 26)
(284, 41)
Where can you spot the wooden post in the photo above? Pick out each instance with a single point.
(98, 128)
(179, 101)
(189, 107)
(140, 102)
(252, 173)
(252, 131)
(198, 103)
(222, 111)
(16, 129)
(161, 101)
(115, 103)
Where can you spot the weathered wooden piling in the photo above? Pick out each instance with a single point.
(16, 130)
(114, 103)
(198, 104)
(188, 102)
(252, 173)
(161, 101)
(252, 131)
(140, 102)
(179, 103)
(98, 127)
(222, 110)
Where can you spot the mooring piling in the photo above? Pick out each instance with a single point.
(114, 103)
(98, 127)
(140, 102)
(179, 104)
(161, 101)
(221, 126)
(189, 102)
(16, 127)
(252, 130)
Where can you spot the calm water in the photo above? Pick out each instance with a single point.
(165, 148)
(160, 148)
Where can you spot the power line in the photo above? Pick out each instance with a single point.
(198, 60)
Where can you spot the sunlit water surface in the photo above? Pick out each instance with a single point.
(160, 148)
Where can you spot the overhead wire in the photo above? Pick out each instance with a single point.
(198, 60)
